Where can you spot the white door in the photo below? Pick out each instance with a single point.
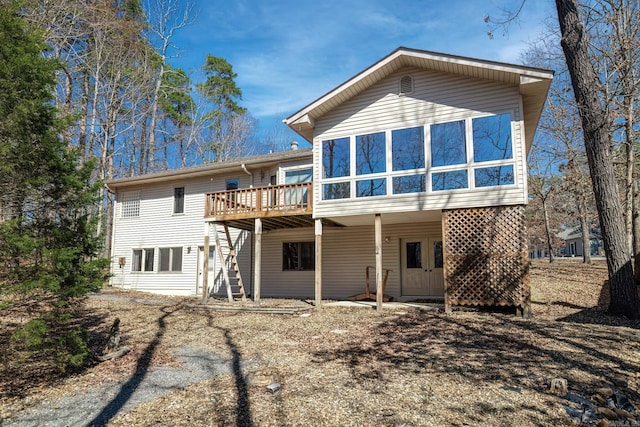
(422, 267)
(212, 261)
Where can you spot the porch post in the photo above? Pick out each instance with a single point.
(205, 264)
(378, 240)
(318, 272)
(257, 268)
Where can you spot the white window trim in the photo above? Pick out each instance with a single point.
(130, 197)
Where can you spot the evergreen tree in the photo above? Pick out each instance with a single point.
(48, 246)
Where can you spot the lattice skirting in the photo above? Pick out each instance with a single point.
(486, 256)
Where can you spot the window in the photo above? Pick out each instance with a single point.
(232, 184)
(130, 204)
(143, 260)
(170, 259)
(370, 153)
(408, 184)
(338, 190)
(414, 255)
(451, 180)
(490, 145)
(492, 138)
(407, 148)
(336, 158)
(297, 196)
(498, 175)
(178, 200)
(371, 187)
(448, 144)
(298, 256)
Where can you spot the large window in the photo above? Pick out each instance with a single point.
(130, 204)
(469, 153)
(298, 256)
(170, 259)
(178, 200)
(143, 259)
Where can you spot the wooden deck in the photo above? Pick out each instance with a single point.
(279, 206)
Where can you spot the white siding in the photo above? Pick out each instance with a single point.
(437, 97)
(157, 227)
(346, 253)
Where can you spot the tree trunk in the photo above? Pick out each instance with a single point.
(547, 230)
(596, 128)
(636, 232)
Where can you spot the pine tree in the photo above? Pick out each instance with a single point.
(48, 246)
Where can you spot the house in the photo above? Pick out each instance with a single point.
(416, 184)
(573, 245)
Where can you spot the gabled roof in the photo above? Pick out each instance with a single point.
(533, 83)
(211, 169)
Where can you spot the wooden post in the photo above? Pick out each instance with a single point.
(445, 262)
(378, 239)
(205, 264)
(257, 259)
(318, 272)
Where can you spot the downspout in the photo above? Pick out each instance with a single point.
(244, 168)
(251, 251)
(113, 234)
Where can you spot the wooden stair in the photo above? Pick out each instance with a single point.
(233, 289)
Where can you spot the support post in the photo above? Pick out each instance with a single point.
(378, 240)
(205, 264)
(257, 257)
(318, 272)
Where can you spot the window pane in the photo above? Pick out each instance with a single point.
(136, 264)
(499, 175)
(338, 190)
(438, 260)
(492, 138)
(370, 153)
(407, 148)
(448, 145)
(165, 254)
(148, 260)
(408, 184)
(178, 200)
(307, 256)
(371, 187)
(414, 255)
(176, 260)
(232, 184)
(130, 204)
(449, 180)
(296, 176)
(335, 158)
(289, 256)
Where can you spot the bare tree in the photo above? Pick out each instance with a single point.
(597, 133)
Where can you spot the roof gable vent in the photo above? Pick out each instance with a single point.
(406, 85)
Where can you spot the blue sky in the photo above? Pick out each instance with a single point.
(288, 53)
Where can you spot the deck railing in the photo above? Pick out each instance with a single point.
(273, 200)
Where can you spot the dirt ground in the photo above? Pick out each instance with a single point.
(355, 367)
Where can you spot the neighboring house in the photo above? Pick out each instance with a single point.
(573, 246)
(417, 177)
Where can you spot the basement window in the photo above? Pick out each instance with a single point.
(298, 256)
